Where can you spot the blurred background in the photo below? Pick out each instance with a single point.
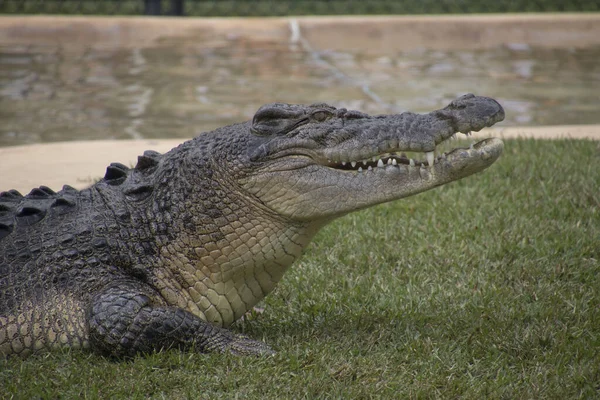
(249, 8)
(174, 76)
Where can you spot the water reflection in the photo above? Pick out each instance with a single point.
(57, 93)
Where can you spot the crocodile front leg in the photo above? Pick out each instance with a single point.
(127, 318)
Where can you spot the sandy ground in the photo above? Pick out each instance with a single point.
(80, 163)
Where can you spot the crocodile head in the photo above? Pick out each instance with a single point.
(315, 163)
(232, 209)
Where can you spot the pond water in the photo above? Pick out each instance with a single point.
(54, 93)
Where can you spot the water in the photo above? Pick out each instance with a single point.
(53, 93)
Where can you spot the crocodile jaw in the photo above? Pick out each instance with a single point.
(316, 192)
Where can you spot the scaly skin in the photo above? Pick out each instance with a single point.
(170, 252)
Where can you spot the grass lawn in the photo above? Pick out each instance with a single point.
(484, 288)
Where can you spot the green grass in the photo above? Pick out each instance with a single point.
(484, 288)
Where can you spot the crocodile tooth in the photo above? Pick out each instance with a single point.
(389, 161)
(380, 163)
(430, 157)
(370, 168)
(353, 163)
(411, 162)
(374, 158)
(343, 163)
(364, 162)
(394, 162)
(359, 169)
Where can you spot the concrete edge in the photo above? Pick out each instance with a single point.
(79, 164)
(370, 34)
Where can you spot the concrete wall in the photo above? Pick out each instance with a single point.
(369, 34)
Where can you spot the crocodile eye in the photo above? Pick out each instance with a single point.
(276, 119)
(320, 116)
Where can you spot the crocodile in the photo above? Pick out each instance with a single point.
(169, 253)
